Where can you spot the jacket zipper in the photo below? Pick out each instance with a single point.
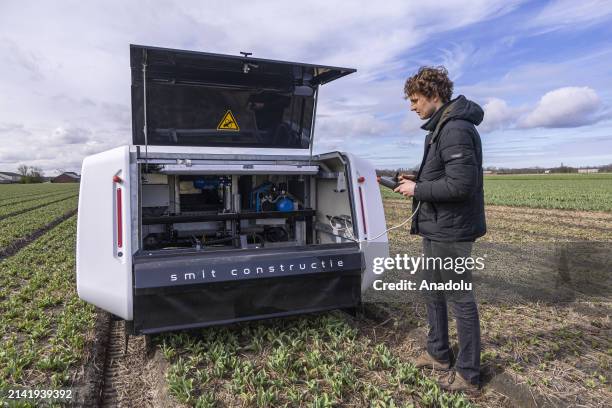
(435, 211)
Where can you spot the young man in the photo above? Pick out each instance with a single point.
(451, 216)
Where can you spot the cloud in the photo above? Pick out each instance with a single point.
(80, 103)
(341, 127)
(536, 77)
(412, 124)
(408, 142)
(71, 136)
(565, 107)
(498, 115)
(13, 129)
(456, 59)
(68, 91)
(571, 14)
(27, 62)
(11, 157)
(62, 146)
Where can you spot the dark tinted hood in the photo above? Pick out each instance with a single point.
(462, 108)
(458, 108)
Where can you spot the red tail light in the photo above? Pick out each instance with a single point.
(119, 219)
(363, 217)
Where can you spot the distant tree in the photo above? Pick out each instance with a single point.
(563, 169)
(606, 168)
(30, 174)
(23, 169)
(37, 174)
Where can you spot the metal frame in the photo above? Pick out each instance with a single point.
(251, 169)
(347, 71)
(226, 157)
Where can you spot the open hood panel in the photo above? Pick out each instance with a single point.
(188, 98)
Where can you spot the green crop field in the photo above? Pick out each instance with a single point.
(49, 338)
(43, 323)
(11, 193)
(589, 192)
(47, 334)
(317, 361)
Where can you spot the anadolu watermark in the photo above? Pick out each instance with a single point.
(438, 272)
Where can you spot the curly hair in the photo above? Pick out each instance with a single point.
(430, 82)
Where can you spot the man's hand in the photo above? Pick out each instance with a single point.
(406, 188)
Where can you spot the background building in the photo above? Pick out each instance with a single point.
(67, 177)
(7, 177)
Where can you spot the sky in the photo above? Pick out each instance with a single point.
(541, 70)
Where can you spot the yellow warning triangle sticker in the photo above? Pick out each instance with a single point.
(228, 122)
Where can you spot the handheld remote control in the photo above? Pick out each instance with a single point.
(389, 182)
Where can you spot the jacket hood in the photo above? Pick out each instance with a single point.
(458, 108)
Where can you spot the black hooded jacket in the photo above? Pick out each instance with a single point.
(449, 183)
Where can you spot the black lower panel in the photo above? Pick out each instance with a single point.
(171, 308)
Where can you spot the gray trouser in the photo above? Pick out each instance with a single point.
(464, 308)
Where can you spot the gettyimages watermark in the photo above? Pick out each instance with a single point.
(501, 273)
(439, 271)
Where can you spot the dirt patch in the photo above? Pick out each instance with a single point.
(545, 303)
(133, 376)
(88, 383)
(155, 371)
(596, 216)
(556, 353)
(518, 224)
(407, 338)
